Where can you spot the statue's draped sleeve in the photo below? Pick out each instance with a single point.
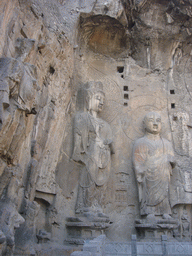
(80, 137)
(139, 158)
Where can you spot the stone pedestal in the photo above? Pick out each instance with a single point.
(154, 229)
(93, 247)
(83, 228)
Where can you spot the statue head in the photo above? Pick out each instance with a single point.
(23, 47)
(94, 96)
(152, 123)
(35, 150)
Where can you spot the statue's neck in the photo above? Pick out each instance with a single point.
(152, 136)
(93, 113)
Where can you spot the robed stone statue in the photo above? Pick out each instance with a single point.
(153, 160)
(92, 148)
(18, 81)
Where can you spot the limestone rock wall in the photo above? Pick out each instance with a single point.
(141, 51)
(30, 143)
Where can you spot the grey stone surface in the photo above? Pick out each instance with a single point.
(95, 246)
(148, 248)
(81, 254)
(117, 248)
(134, 245)
(87, 227)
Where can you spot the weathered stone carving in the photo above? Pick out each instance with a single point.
(12, 185)
(10, 220)
(43, 236)
(2, 243)
(18, 81)
(33, 172)
(186, 225)
(153, 160)
(18, 87)
(181, 134)
(11, 199)
(141, 51)
(92, 148)
(26, 234)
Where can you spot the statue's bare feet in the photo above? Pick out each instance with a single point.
(150, 217)
(102, 215)
(166, 216)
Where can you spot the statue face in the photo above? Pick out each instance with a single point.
(152, 123)
(96, 102)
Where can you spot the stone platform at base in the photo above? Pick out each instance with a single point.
(156, 229)
(102, 247)
(81, 229)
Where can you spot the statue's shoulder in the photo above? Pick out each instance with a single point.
(140, 141)
(165, 140)
(81, 119)
(141, 144)
(81, 116)
(167, 143)
(5, 61)
(105, 123)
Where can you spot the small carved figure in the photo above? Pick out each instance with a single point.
(26, 234)
(10, 220)
(33, 171)
(153, 160)
(181, 134)
(185, 220)
(17, 80)
(92, 148)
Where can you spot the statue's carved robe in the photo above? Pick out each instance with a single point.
(91, 147)
(153, 160)
(18, 81)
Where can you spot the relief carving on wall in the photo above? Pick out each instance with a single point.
(18, 87)
(153, 160)
(18, 82)
(92, 148)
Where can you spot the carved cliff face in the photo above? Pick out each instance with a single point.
(141, 52)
